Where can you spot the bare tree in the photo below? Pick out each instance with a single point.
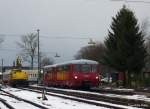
(29, 45)
(93, 52)
(46, 61)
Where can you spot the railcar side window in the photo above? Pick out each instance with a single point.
(50, 69)
(66, 68)
(77, 68)
(60, 68)
(86, 68)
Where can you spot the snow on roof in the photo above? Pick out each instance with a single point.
(81, 61)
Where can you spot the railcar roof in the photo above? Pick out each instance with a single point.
(81, 61)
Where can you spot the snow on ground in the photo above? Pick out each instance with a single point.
(17, 104)
(52, 102)
(101, 102)
(2, 106)
(59, 103)
(112, 88)
(123, 89)
(135, 97)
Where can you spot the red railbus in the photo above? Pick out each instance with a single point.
(73, 74)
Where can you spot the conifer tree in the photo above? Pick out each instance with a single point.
(125, 50)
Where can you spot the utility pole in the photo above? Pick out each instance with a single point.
(38, 56)
(2, 70)
(39, 67)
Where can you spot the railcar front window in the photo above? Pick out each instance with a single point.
(86, 68)
(77, 68)
(94, 68)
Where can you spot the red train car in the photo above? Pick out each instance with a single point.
(73, 74)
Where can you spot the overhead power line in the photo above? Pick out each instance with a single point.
(65, 37)
(14, 35)
(48, 36)
(8, 49)
(136, 1)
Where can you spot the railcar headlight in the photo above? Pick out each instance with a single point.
(75, 77)
(96, 77)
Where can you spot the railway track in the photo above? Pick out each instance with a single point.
(122, 92)
(4, 93)
(113, 91)
(104, 101)
(6, 103)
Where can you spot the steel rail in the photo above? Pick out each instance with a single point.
(27, 101)
(6, 104)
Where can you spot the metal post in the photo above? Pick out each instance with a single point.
(38, 56)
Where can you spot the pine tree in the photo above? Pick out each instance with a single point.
(125, 45)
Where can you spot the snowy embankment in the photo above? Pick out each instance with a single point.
(51, 103)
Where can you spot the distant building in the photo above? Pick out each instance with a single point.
(32, 75)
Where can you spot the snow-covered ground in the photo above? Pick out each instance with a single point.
(16, 103)
(135, 97)
(51, 103)
(2, 106)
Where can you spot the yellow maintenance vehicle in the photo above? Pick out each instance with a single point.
(16, 77)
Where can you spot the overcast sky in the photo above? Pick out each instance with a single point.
(74, 20)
